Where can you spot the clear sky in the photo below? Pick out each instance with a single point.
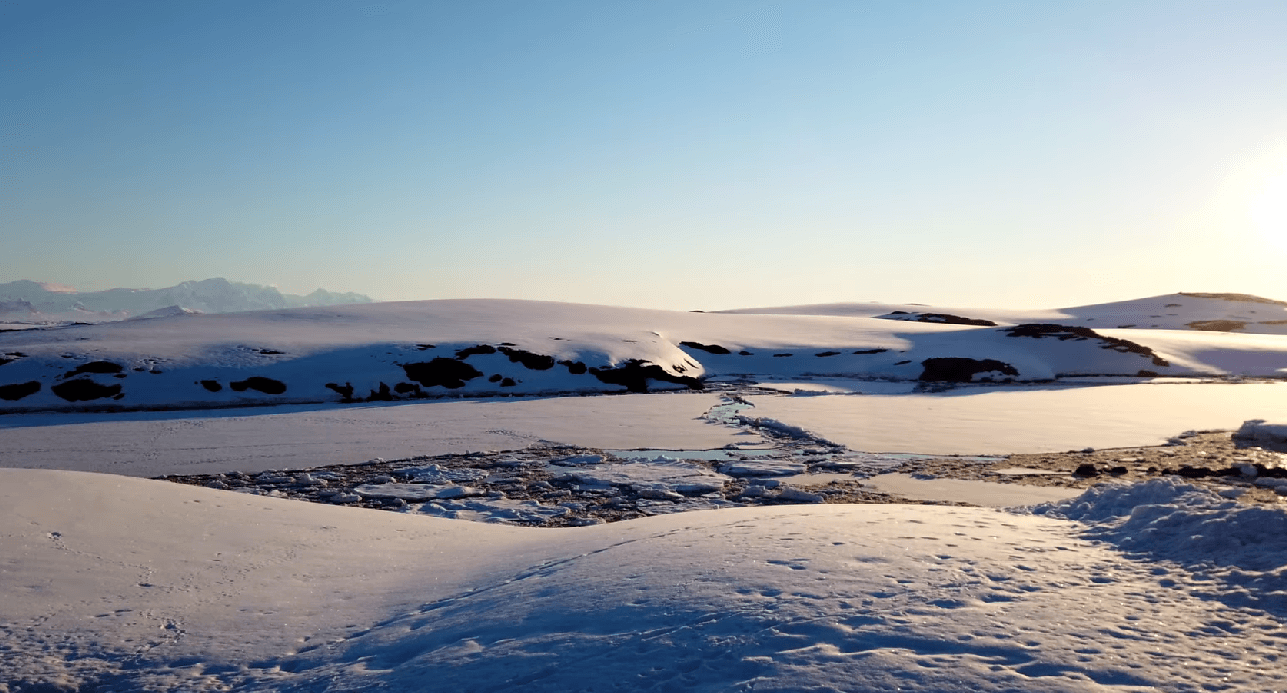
(688, 154)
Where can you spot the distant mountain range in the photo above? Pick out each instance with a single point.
(28, 300)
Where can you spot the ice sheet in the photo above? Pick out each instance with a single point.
(973, 421)
(156, 443)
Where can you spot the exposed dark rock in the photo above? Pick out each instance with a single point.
(826, 353)
(709, 348)
(95, 367)
(15, 392)
(383, 394)
(496, 378)
(268, 386)
(270, 351)
(211, 385)
(744, 353)
(1087, 470)
(345, 390)
(1147, 374)
(1236, 297)
(535, 362)
(962, 370)
(901, 363)
(84, 390)
(574, 367)
(407, 388)
(448, 373)
(871, 351)
(635, 374)
(778, 356)
(4, 360)
(478, 349)
(123, 375)
(1067, 332)
(1118, 470)
(425, 347)
(1216, 325)
(508, 382)
(939, 318)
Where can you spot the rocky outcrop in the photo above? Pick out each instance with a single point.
(1069, 332)
(962, 370)
(937, 318)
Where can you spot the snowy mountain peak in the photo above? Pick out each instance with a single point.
(54, 302)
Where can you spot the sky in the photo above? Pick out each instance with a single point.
(694, 154)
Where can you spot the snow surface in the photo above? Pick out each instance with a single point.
(130, 584)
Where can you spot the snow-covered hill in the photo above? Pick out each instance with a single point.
(1183, 311)
(387, 351)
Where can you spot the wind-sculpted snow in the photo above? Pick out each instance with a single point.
(414, 350)
(1244, 547)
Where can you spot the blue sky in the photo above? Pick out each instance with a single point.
(688, 155)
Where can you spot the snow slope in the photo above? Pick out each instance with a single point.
(128, 585)
(406, 350)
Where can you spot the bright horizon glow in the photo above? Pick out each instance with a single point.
(1269, 211)
(686, 155)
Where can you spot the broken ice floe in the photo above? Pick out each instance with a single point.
(763, 467)
(416, 492)
(1266, 435)
(437, 474)
(577, 460)
(498, 510)
(658, 474)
